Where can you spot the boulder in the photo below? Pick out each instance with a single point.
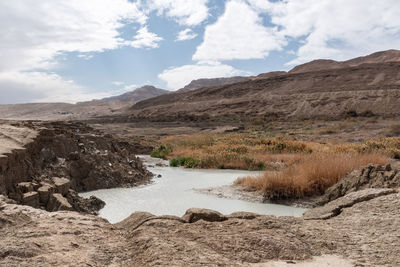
(243, 215)
(193, 215)
(89, 205)
(335, 207)
(58, 202)
(24, 187)
(135, 219)
(30, 199)
(62, 185)
(44, 193)
(372, 176)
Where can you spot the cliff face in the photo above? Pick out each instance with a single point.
(84, 159)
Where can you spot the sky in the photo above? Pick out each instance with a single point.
(78, 50)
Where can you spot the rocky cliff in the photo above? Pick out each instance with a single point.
(41, 162)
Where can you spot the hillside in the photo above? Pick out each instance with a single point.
(200, 83)
(144, 92)
(80, 111)
(371, 83)
(324, 64)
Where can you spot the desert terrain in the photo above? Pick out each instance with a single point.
(325, 136)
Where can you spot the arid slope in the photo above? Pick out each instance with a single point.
(328, 92)
(80, 111)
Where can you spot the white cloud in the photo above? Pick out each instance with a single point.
(339, 29)
(186, 34)
(238, 34)
(34, 32)
(85, 56)
(178, 77)
(117, 83)
(123, 87)
(129, 87)
(184, 12)
(145, 39)
(23, 87)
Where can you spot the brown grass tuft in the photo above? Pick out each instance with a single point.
(311, 176)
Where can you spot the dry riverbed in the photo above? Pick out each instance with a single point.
(356, 223)
(364, 233)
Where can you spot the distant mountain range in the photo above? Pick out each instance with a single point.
(324, 88)
(321, 88)
(82, 110)
(324, 64)
(144, 92)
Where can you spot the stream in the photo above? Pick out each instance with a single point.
(174, 193)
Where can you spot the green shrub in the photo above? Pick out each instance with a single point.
(186, 162)
(254, 165)
(161, 152)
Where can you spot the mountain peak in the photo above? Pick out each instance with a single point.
(327, 64)
(141, 93)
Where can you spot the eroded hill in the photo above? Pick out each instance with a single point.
(365, 87)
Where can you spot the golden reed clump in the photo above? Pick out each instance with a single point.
(312, 175)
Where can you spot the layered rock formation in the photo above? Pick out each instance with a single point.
(44, 164)
(363, 85)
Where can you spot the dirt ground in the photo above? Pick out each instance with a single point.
(364, 234)
(360, 229)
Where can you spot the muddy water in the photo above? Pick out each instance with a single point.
(174, 193)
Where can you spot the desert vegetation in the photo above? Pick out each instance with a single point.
(258, 151)
(293, 168)
(311, 175)
(250, 151)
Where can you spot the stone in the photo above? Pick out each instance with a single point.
(44, 193)
(24, 187)
(135, 219)
(243, 215)
(30, 199)
(62, 185)
(194, 214)
(47, 155)
(335, 207)
(372, 176)
(58, 202)
(35, 186)
(74, 156)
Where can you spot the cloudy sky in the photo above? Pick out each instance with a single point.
(75, 50)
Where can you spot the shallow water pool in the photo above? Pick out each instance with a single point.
(174, 193)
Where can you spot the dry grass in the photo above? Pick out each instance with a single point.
(256, 151)
(311, 175)
(250, 151)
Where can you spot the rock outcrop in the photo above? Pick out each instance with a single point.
(194, 215)
(372, 176)
(44, 164)
(336, 206)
